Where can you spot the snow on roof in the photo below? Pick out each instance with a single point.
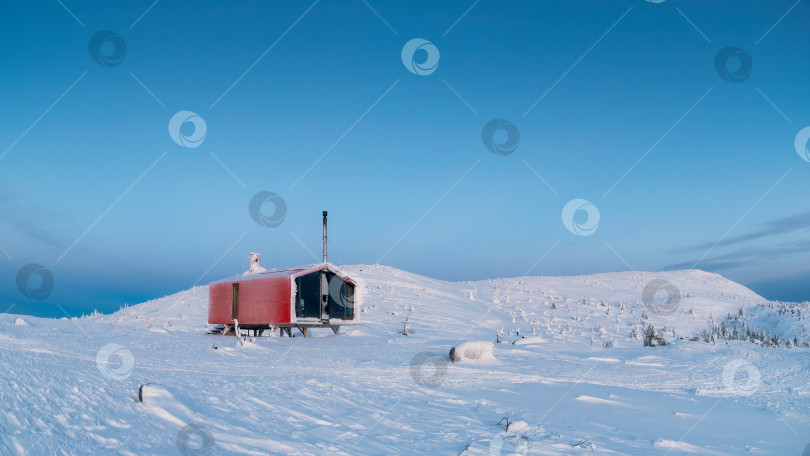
(293, 272)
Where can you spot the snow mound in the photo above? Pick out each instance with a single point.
(470, 351)
(20, 322)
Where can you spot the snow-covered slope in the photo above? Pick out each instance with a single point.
(183, 311)
(570, 374)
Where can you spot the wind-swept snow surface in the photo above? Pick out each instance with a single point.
(570, 376)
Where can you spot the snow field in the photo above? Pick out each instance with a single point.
(555, 384)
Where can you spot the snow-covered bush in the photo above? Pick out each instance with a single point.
(512, 436)
(652, 338)
(406, 327)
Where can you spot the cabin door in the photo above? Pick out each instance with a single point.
(324, 297)
(235, 302)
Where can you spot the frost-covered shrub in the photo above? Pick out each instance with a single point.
(406, 327)
(652, 338)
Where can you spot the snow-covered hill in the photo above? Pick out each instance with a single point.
(571, 374)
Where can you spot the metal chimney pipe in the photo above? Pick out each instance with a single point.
(324, 236)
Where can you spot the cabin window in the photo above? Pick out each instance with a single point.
(308, 289)
(341, 298)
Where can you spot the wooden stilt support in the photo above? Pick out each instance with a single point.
(304, 330)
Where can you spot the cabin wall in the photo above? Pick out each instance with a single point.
(261, 301)
(219, 303)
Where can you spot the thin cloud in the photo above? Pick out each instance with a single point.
(28, 218)
(776, 227)
(746, 257)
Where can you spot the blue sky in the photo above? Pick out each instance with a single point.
(93, 187)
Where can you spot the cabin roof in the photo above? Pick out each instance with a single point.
(293, 272)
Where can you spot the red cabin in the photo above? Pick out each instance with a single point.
(320, 296)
